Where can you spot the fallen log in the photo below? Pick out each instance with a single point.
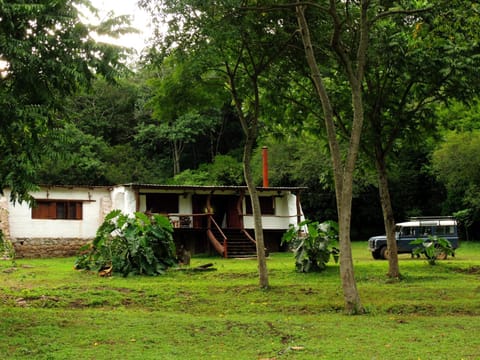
(204, 267)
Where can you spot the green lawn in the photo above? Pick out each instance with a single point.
(50, 311)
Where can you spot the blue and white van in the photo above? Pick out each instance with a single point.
(415, 228)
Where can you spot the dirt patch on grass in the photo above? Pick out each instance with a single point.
(472, 270)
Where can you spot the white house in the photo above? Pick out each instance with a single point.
(205, 218)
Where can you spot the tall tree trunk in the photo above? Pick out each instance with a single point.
(176, 158)
(249, 125)
(343, 171)
(177, 152)
(257, 214)
(352, 298)
(388, 217)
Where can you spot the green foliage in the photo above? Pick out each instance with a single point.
(466, 218)
(311, 242)
(199, 176)
(462, 117)
(456, 165)
(7, 251)
(434, 248)
(225, 170)
(46, 53)
(72, 157)
(107, 111)
(130, 245)
(185, 101)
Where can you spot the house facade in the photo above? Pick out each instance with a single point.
(206, 219)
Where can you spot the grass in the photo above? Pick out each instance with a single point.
(50, 311)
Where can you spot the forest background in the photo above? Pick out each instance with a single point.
(169, 119)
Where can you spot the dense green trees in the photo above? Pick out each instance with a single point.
(412, 67)
(46, 53)
(229, 77)
(456, 164)
(186, 102)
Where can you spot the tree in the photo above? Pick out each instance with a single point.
(354, 25)
(352, 59)
(185, 103)
(415, 60)
(106, 110)
(46, 53)
(73, 157)
(224, 170)
(241, 47)
(456, 164)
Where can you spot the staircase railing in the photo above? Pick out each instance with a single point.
(211, 221)
(248, 236)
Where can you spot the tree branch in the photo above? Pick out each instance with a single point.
(401, 12)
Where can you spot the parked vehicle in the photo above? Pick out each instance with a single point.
(415, 228)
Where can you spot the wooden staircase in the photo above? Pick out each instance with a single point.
(238, 245)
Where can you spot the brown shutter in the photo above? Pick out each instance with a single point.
(79, 211)
(41, 210)
(52, 211)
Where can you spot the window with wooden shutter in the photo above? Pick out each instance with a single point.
(58, 209)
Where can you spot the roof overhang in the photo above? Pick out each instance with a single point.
(211, 189)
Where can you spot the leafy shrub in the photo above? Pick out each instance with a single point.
(312, 248)
(434, 248)
(130, 245)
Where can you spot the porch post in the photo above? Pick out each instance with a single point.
(299, 208)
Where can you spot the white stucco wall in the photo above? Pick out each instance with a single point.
(185, 204)
(23, 226)
(124, 199)
(285, 214)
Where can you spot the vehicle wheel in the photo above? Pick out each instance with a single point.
(376, 254)
(384, 253)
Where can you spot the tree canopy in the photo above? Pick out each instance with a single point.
(235, 71)
(46, 53)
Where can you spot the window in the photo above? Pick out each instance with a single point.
(425, 230)
(445, 230)
(266, 205)
(407, 231)
(58, 209)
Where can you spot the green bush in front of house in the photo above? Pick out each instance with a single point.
(311, 244)
(124, 244)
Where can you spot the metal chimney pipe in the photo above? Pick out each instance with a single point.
(265, 166)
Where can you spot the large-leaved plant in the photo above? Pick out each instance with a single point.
(139, 244)
(311, 243)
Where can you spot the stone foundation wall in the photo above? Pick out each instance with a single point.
(49, 247)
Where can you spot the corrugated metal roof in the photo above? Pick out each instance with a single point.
(210, 187)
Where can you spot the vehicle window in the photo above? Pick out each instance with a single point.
(445, 230)
(407, 231)
(425, 230)
(440, 230)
